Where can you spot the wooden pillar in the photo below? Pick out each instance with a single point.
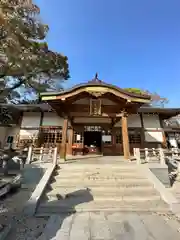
(64, 140)
(39, 141)
(71, 133)
(142, 131)
(164, 143)
(125, 137)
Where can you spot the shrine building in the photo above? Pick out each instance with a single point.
(93, 117)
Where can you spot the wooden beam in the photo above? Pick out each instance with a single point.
(125, 137)
(64, 140)
(86, 114)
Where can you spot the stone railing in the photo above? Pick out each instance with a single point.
(173, 152)
(42, 155)
(149, 155)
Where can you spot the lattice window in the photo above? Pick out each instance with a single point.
(50, 136)
(78, 137)
(118, 137)
(95, 107)
(134, 137)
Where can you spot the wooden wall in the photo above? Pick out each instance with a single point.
(148, 125)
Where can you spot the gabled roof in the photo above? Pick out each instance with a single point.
(99, 85)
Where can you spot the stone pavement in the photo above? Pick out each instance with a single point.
(121, 205)
(112, 226)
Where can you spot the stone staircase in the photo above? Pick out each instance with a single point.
(100, 187)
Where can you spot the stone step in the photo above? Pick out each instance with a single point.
(104, 181)
(99, 191)
(104, 168)
(115, 198)
(98, 184)
(110, 176)
(127, 206)
(99, 170)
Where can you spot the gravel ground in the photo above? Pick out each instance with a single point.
(11, 211)
(23, 227)
(26, 228)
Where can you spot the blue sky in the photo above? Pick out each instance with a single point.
(129, 43)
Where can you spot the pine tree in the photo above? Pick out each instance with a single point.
(25, 59)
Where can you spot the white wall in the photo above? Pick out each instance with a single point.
(52, 119)
(28, 133)
(151, 136)
(151, 121)
(31, 120)
(133, 120)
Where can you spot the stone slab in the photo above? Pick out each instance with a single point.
(162, 175)
(110, 226)
(31, 205)
(80, 228)
(165, 194)
(158, 228)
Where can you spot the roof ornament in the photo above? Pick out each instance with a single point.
(96, 79)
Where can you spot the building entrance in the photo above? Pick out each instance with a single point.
(93, 139)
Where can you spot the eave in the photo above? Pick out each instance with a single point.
(163, 112)
(102, 88)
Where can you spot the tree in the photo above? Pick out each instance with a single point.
(24, 59)
(156, 99)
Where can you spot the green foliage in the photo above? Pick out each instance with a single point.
(23, 55)
(134, 90)
(156, 99)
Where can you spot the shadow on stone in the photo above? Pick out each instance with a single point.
(70, 201)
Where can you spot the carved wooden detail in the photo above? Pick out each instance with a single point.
(124, 112)
(96, 94)
(95, 107)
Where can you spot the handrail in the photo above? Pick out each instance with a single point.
(148, 154)
(40, 153)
